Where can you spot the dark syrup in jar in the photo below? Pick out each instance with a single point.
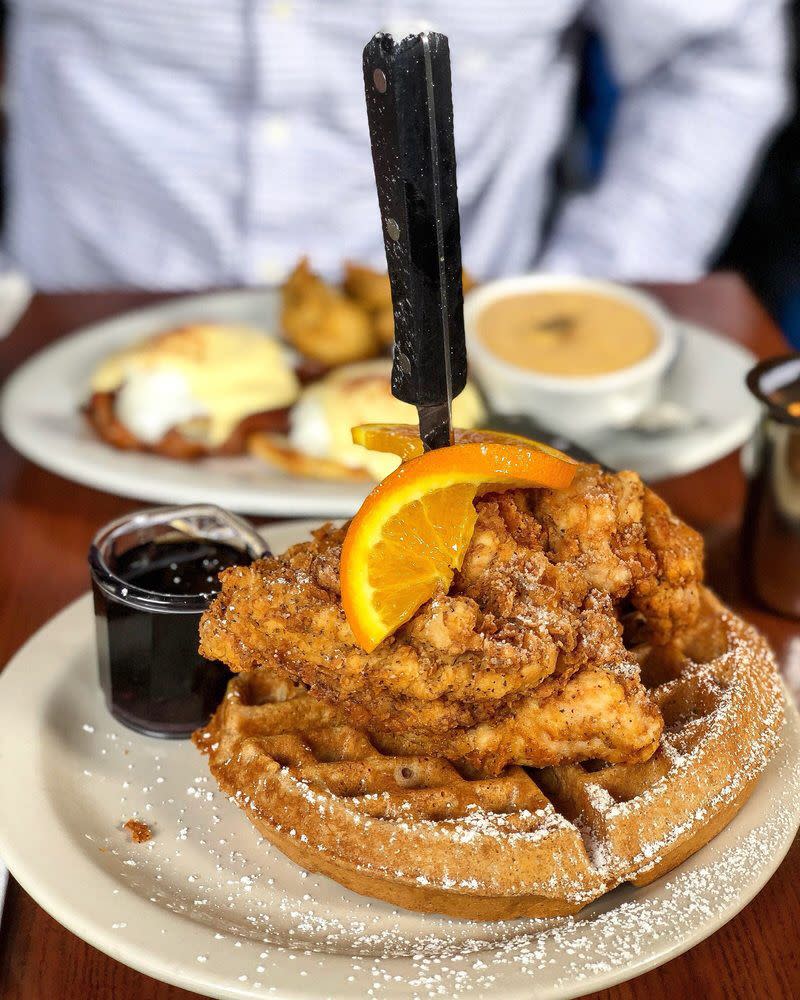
(151, 672)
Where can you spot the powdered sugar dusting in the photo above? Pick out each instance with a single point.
(254, 914)
(575, 832)
(258, 915)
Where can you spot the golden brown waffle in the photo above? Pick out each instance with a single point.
(418, 832)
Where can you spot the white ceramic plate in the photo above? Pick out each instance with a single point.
(707, 379)
(3, 886)
(40, 417)
(208, 906)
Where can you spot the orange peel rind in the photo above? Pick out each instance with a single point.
(411, 533)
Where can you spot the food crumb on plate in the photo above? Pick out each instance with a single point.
(140, 832)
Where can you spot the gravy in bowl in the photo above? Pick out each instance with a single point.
(566, 333)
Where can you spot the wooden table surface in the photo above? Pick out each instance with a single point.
(46, 524)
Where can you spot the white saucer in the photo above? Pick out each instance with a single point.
(39, 414)
(707, 379)
(209, 907)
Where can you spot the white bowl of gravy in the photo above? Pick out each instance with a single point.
(579, 354)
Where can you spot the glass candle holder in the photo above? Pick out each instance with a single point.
(771, 530)
(154, 573)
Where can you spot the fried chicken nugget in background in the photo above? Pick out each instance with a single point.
(322, 322)
(383, 325)
(371, 290)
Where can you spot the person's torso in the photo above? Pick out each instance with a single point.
(196, 142)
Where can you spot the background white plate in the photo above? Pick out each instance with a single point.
(207, 906)
(40, 404)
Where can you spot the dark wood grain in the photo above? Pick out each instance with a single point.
(46, 524)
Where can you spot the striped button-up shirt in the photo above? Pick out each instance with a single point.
(181, 143)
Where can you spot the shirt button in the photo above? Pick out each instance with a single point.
(282, 9)
(272, 271)
(275, 131)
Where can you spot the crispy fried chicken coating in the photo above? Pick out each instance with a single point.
(371, 290)
(626, 542)
(522, 660)
(323, 323)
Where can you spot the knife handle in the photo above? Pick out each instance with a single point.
(410, 114)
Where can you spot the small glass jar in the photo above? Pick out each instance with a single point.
(154, 573)
(771, 529)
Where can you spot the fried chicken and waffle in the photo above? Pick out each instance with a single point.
(420, 832)
(577, 710)
(529, 627)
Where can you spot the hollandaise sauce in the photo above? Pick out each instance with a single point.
(203, 379)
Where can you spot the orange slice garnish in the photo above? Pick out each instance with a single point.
(404, 440)
(412, 531)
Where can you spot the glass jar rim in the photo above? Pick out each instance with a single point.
(760, 374)
(238, 531)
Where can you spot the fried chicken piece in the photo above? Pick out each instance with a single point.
(525, 654)
(447, 667)
(455, 682)
(323, 323)
(626, 542)
(463, 657)
(595, 714)
(366, 286)
(669, 600)
(371, 290)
